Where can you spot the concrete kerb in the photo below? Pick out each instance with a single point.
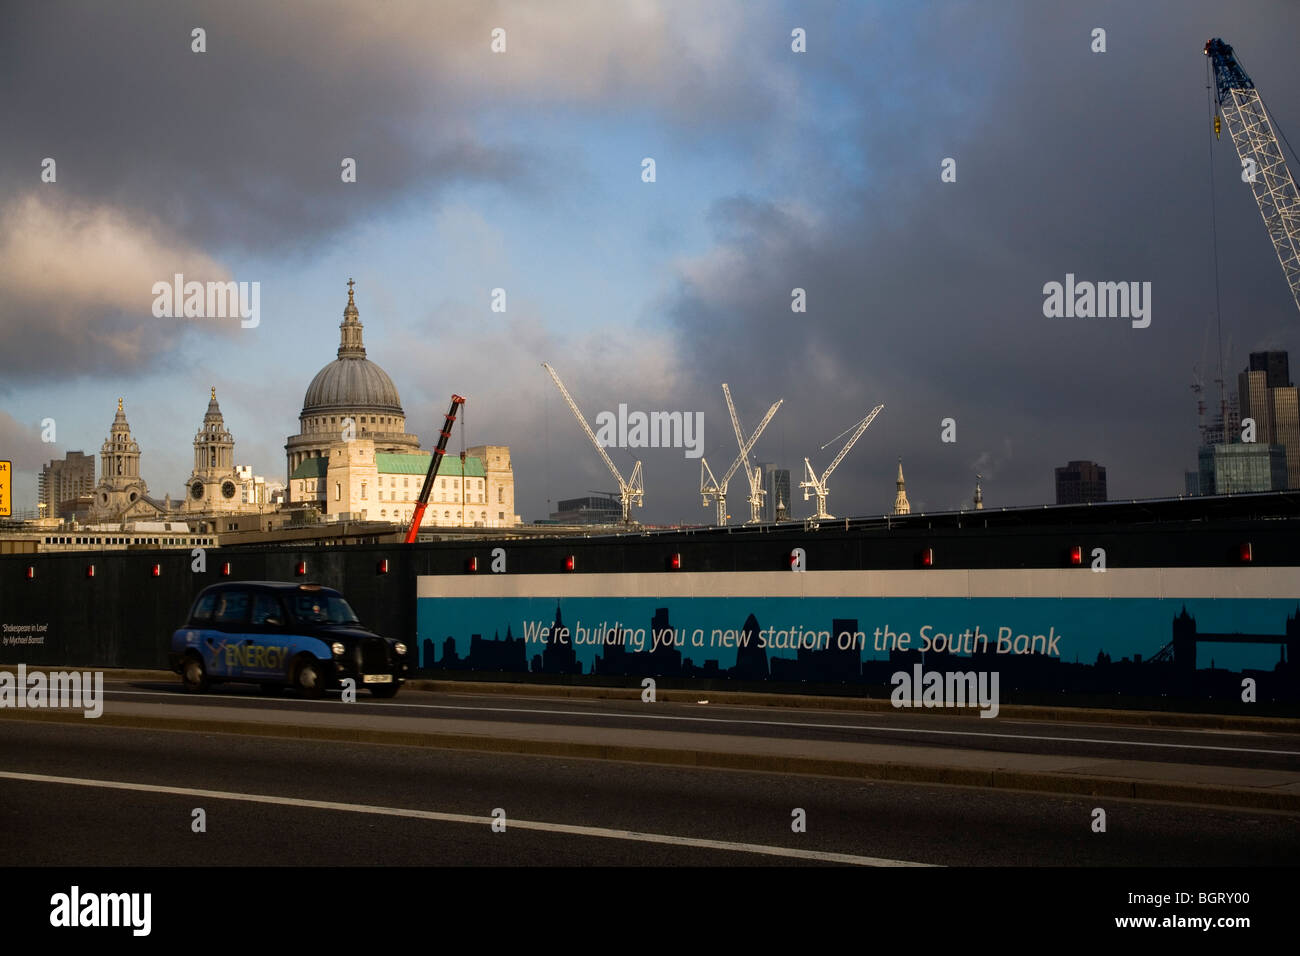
(1144, 718)
(1089, 715)
(1058, 784)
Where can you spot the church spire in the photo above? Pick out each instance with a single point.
(213, 415)
(350, 344)
(901, 505)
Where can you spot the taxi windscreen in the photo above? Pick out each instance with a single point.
(323, 609)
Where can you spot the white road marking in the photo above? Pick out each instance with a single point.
(631, 835)
(787, 723)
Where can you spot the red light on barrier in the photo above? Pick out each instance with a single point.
(156, 571)
(927, 557)
(568, 563)
(1076, 555)
(301, 569)
(472, 564)
(31, 572)
(383, 566)
(225, 569)
(1246, 555)
(675, 562)
(90, 570)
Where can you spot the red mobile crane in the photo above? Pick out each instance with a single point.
(434, 464)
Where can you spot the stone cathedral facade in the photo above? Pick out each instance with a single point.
(353, 457)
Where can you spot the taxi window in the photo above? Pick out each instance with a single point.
(323, 609)
(203, 608)
(266, 607)
(232, 608)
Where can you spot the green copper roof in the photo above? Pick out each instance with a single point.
(310, 468)
(419, 465)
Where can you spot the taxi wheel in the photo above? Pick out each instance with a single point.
(194, 676)
(385, 691)
(310, 680)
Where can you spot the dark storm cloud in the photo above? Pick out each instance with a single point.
(168, 161)
(928, 296)
(237, 151)
(23, 447)
(238, 146)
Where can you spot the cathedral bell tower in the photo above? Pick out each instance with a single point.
(119, 458)
(212, 486)
(121, 493)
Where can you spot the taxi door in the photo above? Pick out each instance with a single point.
(225, 640)
(266, 654)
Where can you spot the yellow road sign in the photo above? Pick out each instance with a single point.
(6, 500)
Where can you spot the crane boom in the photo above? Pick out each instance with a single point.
(817, 486)
(753, 475)
(735, 419)
(862, 427)
(753, 439)
(1257, 146)
(755, 485)
(435, 462)
(573, 407)
(710, 487)
(630, 491)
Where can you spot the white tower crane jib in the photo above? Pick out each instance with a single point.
(631, 491)
(813, 485)
(711, 487)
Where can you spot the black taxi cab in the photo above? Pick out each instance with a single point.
(304, 636)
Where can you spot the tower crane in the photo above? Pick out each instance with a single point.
(1257, 146)
(710, 487)
(754, 474)
(632, 490)
(817, 486)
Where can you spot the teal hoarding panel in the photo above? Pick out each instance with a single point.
(1132, 645)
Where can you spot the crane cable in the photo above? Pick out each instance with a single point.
(843, 433)
(1214, 230)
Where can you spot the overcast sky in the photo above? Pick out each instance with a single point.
(522, 170)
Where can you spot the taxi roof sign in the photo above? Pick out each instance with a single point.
(6, 500)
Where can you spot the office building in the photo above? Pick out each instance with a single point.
(1080, 482)
(1275, 365)
(1271, 401)
(65, 484)
(776, 488)
(1242, 467)
(594, 509)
